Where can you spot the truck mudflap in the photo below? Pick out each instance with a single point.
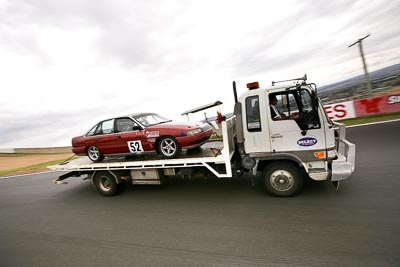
(344, 165)
(61, 178)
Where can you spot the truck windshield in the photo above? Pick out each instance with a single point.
(306, 101)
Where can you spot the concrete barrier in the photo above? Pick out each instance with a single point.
(7, 150)
(41, 150)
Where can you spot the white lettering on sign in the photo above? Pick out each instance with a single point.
(307, 141)
(340, 111)
(135, 147)
(394, 99)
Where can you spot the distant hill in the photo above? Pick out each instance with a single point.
(354, 88)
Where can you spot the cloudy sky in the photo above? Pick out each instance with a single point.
(66, 64)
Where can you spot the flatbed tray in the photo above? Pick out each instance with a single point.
(208, 152)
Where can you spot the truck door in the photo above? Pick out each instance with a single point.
(297, 128)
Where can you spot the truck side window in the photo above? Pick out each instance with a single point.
(296, 105)
(253, 118)
(283, 106)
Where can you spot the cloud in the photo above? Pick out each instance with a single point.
(68, 64)
(316, 37)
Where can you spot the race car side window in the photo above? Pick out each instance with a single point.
(125, 125)
(92, 131)
(105, 127)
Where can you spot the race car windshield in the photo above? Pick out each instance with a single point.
(151, 119)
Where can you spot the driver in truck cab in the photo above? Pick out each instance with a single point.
(276, 115)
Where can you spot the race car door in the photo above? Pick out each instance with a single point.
(130, 136)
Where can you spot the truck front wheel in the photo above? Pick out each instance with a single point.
(282, 179)
(105, 183)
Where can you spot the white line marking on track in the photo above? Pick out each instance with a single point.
(22, 175)
(372, 123)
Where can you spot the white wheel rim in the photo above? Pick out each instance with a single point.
(281, 180)
(93, 153)
(168, 147)
(105, 184)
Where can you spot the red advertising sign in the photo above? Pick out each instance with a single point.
(377, 105)
(340, 111)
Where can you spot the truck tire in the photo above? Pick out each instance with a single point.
(105, 183)
(94, 154)
(168, 147)
(282, 179)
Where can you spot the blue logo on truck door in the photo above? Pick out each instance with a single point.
(307, 141)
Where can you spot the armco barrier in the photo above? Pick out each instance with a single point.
(364, 107)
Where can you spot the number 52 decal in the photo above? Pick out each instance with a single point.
(135, 146)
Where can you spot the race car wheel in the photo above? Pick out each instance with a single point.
(168, 147)
(94, 154)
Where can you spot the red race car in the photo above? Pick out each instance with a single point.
(140, 134)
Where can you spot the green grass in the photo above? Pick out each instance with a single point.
(369, 119)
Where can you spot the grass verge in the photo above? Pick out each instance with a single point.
(31, 168)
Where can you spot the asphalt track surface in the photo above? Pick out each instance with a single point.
(211, 222)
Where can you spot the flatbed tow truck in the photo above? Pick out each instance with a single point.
(303, 144)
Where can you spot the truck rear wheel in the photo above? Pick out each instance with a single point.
(105, 183)
(282, 179)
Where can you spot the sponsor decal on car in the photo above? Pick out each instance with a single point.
(307, 141)
(151, 140)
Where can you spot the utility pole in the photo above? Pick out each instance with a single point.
(367, 81)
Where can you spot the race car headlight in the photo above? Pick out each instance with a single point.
(193, 132)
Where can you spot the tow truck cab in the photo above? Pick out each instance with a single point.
(296, 132)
